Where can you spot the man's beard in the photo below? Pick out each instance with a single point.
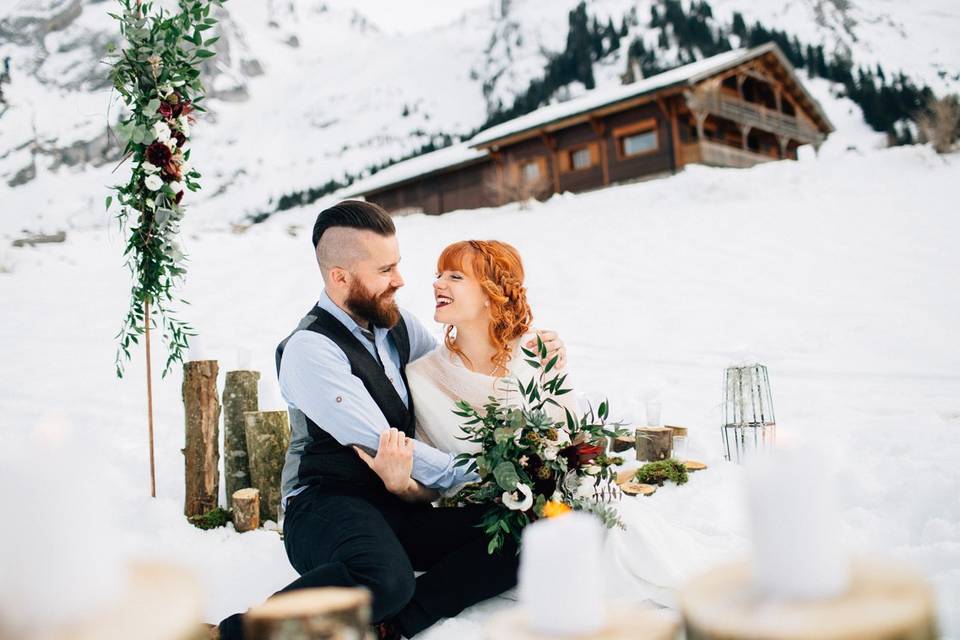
(378, 310)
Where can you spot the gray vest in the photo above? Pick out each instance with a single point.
(315, 457)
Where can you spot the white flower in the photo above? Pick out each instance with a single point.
(161, 131)
(592, 469)
(184, 125)
(512, 501)
(150, 168)
(176, 186)
(587, 488)
(165, 90)
(171, 144)
(153, 182)
(550, 452)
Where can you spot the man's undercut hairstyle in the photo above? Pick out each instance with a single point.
(354, 214)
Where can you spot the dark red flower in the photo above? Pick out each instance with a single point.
(166, 110)
(180, 138)
(587, 452)
(158, 154)
(179, 197)
(172, 170)
(185, 107)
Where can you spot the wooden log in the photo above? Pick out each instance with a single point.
(677, 431)
(636, 488)
(268, 436)
(654, 443)
(331, 613)
(885, 602)
(202, 451)
(246, 509)
(239, 396)
(623, 443)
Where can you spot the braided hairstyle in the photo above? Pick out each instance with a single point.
(497, 267)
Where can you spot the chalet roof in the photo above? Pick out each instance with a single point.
(456, 155)
(476, 149)
(687, 75)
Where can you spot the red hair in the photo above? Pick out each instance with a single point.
(497, 267)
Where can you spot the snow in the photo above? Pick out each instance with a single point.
(834, 271)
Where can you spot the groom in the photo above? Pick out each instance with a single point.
(343, 375)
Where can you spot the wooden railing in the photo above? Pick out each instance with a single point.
(720, 155)
(755, 115)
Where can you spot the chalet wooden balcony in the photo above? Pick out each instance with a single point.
(754, 115)
(716, 154)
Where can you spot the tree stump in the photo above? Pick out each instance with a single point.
(246, 509)
(268, 436)
(677, 431)
(201, 453)
(885, 602)
(331, 613)
(622, 443)
(239, 396)
(654, 443)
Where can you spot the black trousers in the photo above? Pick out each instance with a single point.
(378, 542)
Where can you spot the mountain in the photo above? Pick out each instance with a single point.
(302, 92)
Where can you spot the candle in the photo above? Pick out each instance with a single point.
(561, 586)
(795, 528)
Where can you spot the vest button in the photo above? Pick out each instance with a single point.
(339, 399)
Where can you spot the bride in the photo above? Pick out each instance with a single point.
(481, 300)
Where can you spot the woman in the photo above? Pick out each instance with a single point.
(481, 298)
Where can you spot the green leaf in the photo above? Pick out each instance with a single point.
(211, 41)
(550, 365)
(107, 203)
(204, 53)
(503, 435)
(506, 476)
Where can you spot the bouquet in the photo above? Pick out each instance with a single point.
(531, 466)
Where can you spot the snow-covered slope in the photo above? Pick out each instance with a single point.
(306, 91)
(835, 271)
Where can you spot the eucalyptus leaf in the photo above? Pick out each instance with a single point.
(506, 476)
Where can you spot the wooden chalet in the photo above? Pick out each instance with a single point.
(735, 109)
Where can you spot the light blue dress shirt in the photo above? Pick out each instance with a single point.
(315, 378)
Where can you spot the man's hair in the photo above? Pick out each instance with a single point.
(354, 214)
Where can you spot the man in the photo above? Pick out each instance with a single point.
(342, 373)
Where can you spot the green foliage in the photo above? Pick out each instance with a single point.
(662, 470)
(526, 458)
(211, 519)
(157, 74)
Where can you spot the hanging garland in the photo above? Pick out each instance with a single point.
(157, 74)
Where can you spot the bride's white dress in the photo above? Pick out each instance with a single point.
(648, 560)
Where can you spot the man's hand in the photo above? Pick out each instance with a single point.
(393, 462)
(554, 345)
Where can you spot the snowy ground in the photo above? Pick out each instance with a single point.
(837, 272)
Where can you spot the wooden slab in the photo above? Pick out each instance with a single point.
(677, 431)
(635, 488)
(626, 476)
(693, 465)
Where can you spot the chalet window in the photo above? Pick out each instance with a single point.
(580, 158)
(530, 171)
(638, 143)
(637, 139)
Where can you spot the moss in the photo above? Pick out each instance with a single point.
(659, 472)
(212, 519)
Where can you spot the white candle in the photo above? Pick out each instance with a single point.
(561, 586)
(795, 527)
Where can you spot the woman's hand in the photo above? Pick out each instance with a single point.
(554, 345)
(393, 462)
